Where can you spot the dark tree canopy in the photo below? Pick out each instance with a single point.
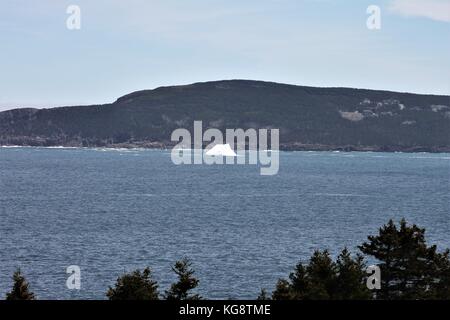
(263, 295)
(20, 289)
(352, 276)
(186, 282)
(136, 285)
(322, 278)
(410, 269)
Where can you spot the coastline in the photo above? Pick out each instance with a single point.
(148, 145)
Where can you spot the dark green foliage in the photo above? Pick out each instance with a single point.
(322, 278)
(351, 279)
(20, 289)
(186, 282)
(308, 118)
(136, 285)
(409, 268)
(263, 295)
(441, 289)
(283, 291)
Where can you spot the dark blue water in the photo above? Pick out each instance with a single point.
(111, 211)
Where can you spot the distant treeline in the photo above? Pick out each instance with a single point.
(409, 269)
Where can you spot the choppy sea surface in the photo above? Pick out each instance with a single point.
(110, 211)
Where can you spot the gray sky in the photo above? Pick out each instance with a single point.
(124, 46)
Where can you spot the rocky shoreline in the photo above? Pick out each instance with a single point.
(147, 144)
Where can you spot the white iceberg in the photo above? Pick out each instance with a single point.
(221, 150)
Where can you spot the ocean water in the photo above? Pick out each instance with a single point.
(111, 211)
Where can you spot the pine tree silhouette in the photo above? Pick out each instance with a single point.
(20, 289)
(136, 285)
(186, 282)
(409, 268)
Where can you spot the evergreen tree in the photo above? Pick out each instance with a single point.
(441, 288)
(299, 283)
(263, 295)
(186, 282)
(322, 278)
(351, 278)
(20, 289)
(283, 291)
(409, 268)
(136, 285)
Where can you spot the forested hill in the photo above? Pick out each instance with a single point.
(309, 118)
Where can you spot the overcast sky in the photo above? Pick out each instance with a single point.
(124, 46)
